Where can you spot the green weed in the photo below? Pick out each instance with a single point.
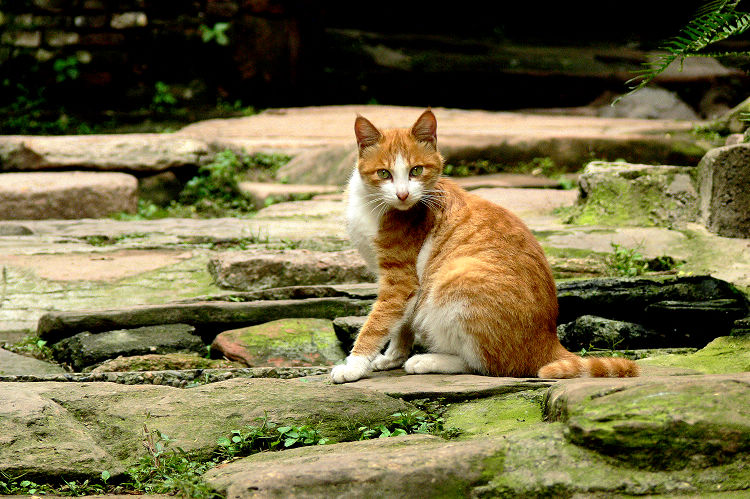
(168, 471)
(267, 436)
(625, 262)
(407, 424)
(32, 346)
(217, 33)
(163, 101)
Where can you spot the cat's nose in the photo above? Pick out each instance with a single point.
(402, 195)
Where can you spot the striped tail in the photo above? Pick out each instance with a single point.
(573, 366)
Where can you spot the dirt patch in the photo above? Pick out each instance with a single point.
(99, 266)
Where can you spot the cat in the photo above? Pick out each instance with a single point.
(465, 274)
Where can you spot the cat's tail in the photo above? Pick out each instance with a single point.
(573, 366)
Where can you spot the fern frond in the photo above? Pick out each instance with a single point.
(717, 20)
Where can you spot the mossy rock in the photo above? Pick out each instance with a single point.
(74, 430)
(724, 355)
(494, 416)
(283, 342)
(156, 362)
(541, 462)
(660, 423)
(636, 195)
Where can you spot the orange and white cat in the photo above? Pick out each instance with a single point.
(464, 273)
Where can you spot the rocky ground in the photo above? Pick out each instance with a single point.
(119, 315)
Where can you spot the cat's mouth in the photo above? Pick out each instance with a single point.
(405, 204)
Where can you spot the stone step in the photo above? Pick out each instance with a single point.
(265, 193)
(66, 195)
(141, 152)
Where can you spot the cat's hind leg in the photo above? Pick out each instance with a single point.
(443, 363)
(452, 350)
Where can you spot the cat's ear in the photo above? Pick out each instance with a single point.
(367, 134)
(425, 128)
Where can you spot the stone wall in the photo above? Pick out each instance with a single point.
(119, 50)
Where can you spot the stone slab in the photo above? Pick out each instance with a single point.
(126, 152)
(264, 193)
(446, 386)
(499, 136)
(207, 317)
(636, 421)
(86, 349)
(258, 269)
(75, 430)
(14, 364)
(66, 195)
(517, 180)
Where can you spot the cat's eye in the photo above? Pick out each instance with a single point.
(384, 174)
(416, 171)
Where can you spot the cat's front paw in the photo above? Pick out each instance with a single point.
(386, 362)
(356, 367)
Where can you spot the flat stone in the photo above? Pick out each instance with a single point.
(282, 343)
(45, 195)
(724, 355)
(408, 466)
(78, 420)
(516, 180)
(127, 152)
(634, 420)
(723, 177)
(86, 349)
(528, 202)
(264, 194)
(257, 269)
(99, 266)
(206, 317)
(321, 165)
(502, 137)
(13, 364)
(445, 386)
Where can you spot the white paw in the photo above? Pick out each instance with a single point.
(435, 363)
(386, 362)
(356, 367)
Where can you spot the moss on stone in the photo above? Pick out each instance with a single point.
(539, 462)
(289, 342)
(724, 355)
(495, 416)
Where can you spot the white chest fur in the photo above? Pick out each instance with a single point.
(362, 220)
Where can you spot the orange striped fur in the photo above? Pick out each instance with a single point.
(464, 274)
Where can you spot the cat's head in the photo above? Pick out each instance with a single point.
(401, 166)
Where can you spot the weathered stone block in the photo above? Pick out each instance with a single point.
(643, 195)
(685, 311)
(248, 270)
(86, 349)
(590, 331)
(66, 195)
(723, 180)
(282, 343)
(636, 421)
